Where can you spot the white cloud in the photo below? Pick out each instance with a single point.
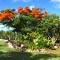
(5, 28)
(57, 1)
(32, 6)
(57, 6)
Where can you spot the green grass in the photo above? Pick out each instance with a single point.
(11, 54)
(27, 56)
(4, 47)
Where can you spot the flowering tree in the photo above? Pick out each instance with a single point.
(27, 21)
(23, 18)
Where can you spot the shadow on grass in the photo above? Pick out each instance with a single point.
(25, 56)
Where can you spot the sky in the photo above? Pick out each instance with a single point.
(52, 6)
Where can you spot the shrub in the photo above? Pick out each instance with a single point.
(42, 42)
(37, 40)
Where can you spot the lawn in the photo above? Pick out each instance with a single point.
(7, 53)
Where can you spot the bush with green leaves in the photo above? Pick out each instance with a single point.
(32, 40)
(36, 40)
(42, 42)
(51, 27)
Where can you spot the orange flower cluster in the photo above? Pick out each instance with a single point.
(36, 12)
(6, 15)
(26, 10)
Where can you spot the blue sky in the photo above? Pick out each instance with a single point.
(52, 6)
